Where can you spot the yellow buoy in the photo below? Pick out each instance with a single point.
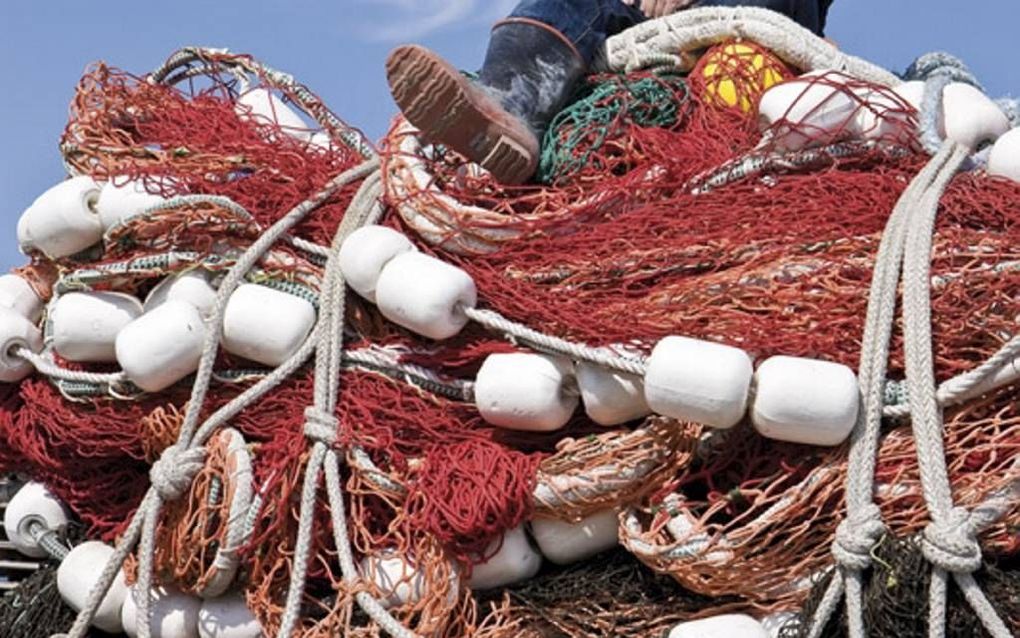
(735, 74)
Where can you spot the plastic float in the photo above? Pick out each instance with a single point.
(782, 284)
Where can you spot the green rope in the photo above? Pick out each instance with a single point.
(600, 111)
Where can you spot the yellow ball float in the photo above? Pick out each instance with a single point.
(735, 74)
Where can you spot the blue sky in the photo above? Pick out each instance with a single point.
(337, 47)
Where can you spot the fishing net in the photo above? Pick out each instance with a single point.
(662, 209)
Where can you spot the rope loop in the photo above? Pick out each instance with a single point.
(951, 544)
(856, 536)
(171, 475)
(320, 426)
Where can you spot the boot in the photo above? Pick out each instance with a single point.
(497, 122)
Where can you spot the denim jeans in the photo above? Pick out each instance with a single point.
(587, 23)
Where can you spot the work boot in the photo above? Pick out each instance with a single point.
(497, 121)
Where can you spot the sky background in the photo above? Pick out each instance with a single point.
(337, 48)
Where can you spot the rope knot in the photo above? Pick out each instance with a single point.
(320, 426)
(856, 536)
(952, 544)
(171, 475)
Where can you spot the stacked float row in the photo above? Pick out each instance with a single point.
(790, 399)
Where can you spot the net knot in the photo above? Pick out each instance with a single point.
(856, 536)
(951, 543)
(320, 426)
(171, 475)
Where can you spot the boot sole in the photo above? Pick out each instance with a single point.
(436, 98)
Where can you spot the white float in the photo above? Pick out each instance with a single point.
(174, 613)
(1004, 160)
(17, 295)
(265, 325)
(16, 331)
(120, 200)
(805, 401)
(227, 617)
(425, 295)
(399, 580)
(882, 116)
(725, 626)
(192, 286)
(364, 254)
(524, 391)
(773, 623)
(515, 561)
(77, 575)
(564, 543)
(85, 324)
(263, 106)
(970, 117)
(161, 347)
(32, 503)
(610, 397)
(62, 221)
(702, 381)
(816, 105)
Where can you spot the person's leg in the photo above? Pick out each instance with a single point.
(534, 59)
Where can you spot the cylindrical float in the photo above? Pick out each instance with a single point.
(85, 324)
(265, 325)
(192, 286)
(33, 503)
(161, 347)
(62, 221)
(262, 106)
(524, 391)
(805, 401)
(1004, 160)
(563, 542)
(227, 617)
(425, 295)
(515, 560)
(16, 331)
(817, 106)
(174, 614)
(77, 575)
(610, 397)
(120, 200)
(364, 254)
(17, 295)
(970, 117)
(725, 626)
(702, 381)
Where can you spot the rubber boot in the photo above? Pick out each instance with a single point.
(498, 122)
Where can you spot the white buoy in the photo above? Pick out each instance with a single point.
(85, 324)
(885, 113)
(32, 503)
(970, 117)
(192, 286)
(17, 295)
(62, 221)
(16, 331)
(265, 325)
(564, 543)
(524, 391)
(912, 93)
(725, 626)
(321, 139)
(515, 561)
(774, 623)
(805, 401)
(227, 617)
(174, 613)
(610, 397)
(161, 347)
(425, 295)
(364, 254)
(120, 200)
(814, 106)
(1004, 160)
(702, 381)
(77, 575)
(262, 106)
(396, 578)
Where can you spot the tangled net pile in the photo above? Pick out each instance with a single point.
(664, 212)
